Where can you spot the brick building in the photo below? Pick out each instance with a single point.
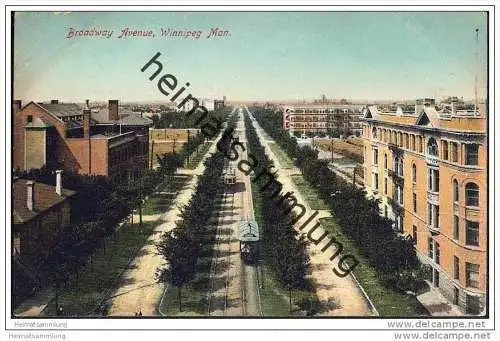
(427, 164)
(38, 211)
(79, 139)
(327, 119)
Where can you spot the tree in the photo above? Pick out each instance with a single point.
(178, 249)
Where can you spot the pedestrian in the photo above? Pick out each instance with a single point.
(140, 313)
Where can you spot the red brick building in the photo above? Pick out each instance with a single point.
(38, 212)
(69, 137)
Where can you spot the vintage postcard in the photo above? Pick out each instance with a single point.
(185, 168)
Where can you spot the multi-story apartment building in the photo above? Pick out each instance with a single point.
(78, 139)
(323, 119)
(428, 166)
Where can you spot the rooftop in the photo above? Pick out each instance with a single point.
(44, 196)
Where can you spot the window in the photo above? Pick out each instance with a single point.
(398, 166)
(471, 154)
(414, 173)
(471, 194)
(375, 157)
(445, 149)
(375, 181)
(412, 142)
(415, 235)
(455, 191)
(419, 144)
(29, 119)
(430, 248)
(385, 160)
(437, 257)
(472, 275)
(432, 147)
(406, 141)
(385, 186)
(473, 305)
(433, 215)
(433, 180)
(454, 151)
(399, 223)
(415, 202)
(374, 133)
(456, 268)
(399, 194)
(471, 233)
(456, 227)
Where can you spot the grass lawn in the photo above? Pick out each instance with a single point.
(388, 302)
(309, 193)
(160, 201)
(283, 158)
(195, 160)
(96, 280)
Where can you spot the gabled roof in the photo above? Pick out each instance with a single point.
(45, 197)
(428, 117)
(370, 112)
(63, 109)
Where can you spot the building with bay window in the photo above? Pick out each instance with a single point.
(428, 166)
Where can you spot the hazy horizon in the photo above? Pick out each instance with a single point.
(268, 56)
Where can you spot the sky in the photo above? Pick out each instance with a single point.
(264, 56)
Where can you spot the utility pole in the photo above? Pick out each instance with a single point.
(475, 72)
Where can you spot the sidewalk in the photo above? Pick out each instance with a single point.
(35, 305)
(437, 304)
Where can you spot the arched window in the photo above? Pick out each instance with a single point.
(432, 147)
(374, 133)
(414, 173)
(455, 191)
(398, 166)
(471, 194)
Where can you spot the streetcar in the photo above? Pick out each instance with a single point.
(229, 176)
(248, 235)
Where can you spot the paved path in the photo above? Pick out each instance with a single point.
(437, 304)
(344, 292)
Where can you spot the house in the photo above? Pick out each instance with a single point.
(38, 212)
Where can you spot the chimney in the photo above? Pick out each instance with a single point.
(86, 123)
(87, 103)
(113, 110)
(16, 106)
(54, 101)
(59, 182)
(30, 198)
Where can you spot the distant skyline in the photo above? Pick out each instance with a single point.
(259, 56)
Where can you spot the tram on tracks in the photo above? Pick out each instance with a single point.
(229, 176)
(248, 235)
